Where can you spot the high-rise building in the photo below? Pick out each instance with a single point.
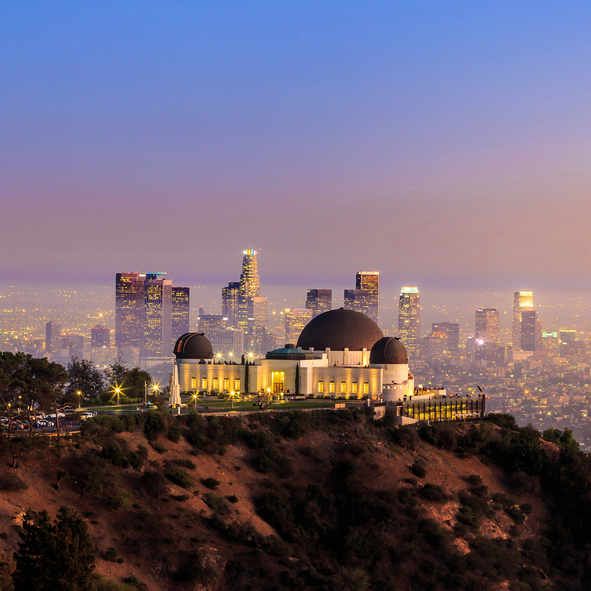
(74, 344)
(530, 331)
(180, 312)
(228, 343)
(319, 301)
(53, 338)
(486, 326)
(100, 336)
(207, 323)
(409, 318)
(243, 305)
(369, 281)
(250, 284)
(295, 321)
(451, 330)
(522, 300)
(230, 297)
(158, 323)
(130, 310)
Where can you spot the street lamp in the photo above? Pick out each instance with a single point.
(195, 396)
(79, 394)
(232, 398)
(117, 391)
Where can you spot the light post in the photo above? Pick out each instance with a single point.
(117, 391)
(79, 394)
(232, 398)
(194, 395)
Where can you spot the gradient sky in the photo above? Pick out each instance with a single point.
(437, 142)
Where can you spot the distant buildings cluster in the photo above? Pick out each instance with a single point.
(151, 313)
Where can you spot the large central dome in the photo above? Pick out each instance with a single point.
(339, 330)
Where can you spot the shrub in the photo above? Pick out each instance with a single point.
(407, 497)
(474, 479)
(92, 473)
(516, 514)
(505, 421)
(216, 503)
(159, 447)
(185, 463)
(174, 432)
(154, 424)
(232, 498)
(196, 567)
(480, 491)
(9, 481)
(121, 501)
(179, 476)
(111, 554)
(211, 483)
(433, 492)
(155, 483)
(419, 469)
(406, 437)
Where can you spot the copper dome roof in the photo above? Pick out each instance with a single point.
(338, 330)
(193, 345)
(388, 350)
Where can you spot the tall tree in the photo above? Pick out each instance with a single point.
(84, 377)
(131, 381)
(58, 556)
(45, 382)
(13, 381)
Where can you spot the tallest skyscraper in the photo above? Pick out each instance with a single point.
(250, 284)
(243, 305)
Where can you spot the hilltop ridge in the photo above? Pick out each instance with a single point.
(314, 500)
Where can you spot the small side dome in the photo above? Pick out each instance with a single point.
(193, 345)
(388, 351)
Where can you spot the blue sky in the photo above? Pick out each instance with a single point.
(434, 141)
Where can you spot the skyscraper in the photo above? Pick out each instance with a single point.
(522, 300)
(230, 297)
(369, 281)
(158, 324)
(180, 312)
(250, 284)
(145, 314)
(243, 305)
(530, 331)
(100, 336)
(452, 332)
(130, 314)
(409, 318)
(319, 301)
(295, 321)
(365, 297)
(53, 337)
(486, 325)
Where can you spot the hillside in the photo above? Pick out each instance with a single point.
(322, 500)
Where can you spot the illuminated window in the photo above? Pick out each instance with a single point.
(331, 387)
(216, 384)
(320, 387)
(204, 383)
(366, 387)
(226, 383)
(343, 387)
(193, 383)
(354, 386)
(236, 384)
